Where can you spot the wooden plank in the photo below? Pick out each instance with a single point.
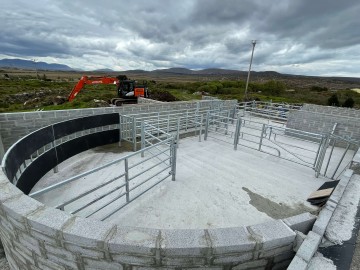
(321, 193)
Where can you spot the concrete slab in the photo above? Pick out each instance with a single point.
(215, 187)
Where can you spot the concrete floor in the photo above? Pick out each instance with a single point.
(215, 186)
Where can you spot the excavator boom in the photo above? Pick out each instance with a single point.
(91, 80)
(128, 90)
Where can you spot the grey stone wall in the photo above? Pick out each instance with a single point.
(321, 119)
(39, 237)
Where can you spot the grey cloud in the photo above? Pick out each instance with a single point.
(189, 33)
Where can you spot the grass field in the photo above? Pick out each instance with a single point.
(26, 90)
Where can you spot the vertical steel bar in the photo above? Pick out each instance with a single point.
(206, 126)
(178, 132)
(186, 121)
(127, 180)
(200, 128)
(120, 128)
(261, 137)
(142, 138)
(330, 155)
(337, 167)
(237, 132)
(134, 133)
(173, 164)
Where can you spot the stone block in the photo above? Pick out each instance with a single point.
(231, 240)
(87, 232)
(322, 221)
(134, 259)
(184, 243)
(185, 261)
(29, 243)
(21, 206)
(48, 221)
(63, 262)
(302, 223)
(272, 234)
(85, 252)
(297, 264)
(59, 251)
(276, 251)
(8, 190)
(134, 240)
(45, 264)
(232, 259)
(259, 264)
(309, 246)
(91, 264)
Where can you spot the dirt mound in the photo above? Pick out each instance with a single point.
(162, 96)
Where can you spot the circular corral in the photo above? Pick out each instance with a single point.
(31, 231)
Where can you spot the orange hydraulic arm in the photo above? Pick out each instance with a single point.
(91, 80)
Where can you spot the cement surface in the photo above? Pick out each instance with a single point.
(215, 186)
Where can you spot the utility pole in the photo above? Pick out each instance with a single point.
(248, 77)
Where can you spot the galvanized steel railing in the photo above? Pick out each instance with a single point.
(134, 173)
(304, 148)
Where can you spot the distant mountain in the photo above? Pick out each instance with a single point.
(103, 70)
(28, 64)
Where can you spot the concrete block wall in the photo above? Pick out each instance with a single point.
(321, 119)
(39, 237)
(349, 112)
(14, 126)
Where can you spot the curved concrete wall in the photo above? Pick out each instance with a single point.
(35, 236)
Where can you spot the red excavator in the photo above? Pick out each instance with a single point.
(128, 90)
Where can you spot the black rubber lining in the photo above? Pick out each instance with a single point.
(24, 148)
(53, 157)
(71, 126)
(48, 160)
(342, 255)
(78, 145)
(38, 169)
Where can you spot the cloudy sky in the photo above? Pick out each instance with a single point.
(312, 37)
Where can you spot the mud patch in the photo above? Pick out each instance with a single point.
(276, 210)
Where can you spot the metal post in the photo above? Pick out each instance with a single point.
(178, 132)
(237, 132)
(200, 131)
(142, 138)
(227, 123)
(248, 77)
(120, 128)
(337, 167)
(134, 133)
(330, 155)
(186, 122)
(206, 126)
(262, 135)
(127, 180)
(173, 164)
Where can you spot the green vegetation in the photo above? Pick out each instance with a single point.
(46, 92)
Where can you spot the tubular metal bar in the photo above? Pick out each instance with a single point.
(147, 159)
(151, 177)
(341, 160)
(330, 155)
(290, 152)
(106, 204)
(137, 196)
(71, 179)
(147, 169)
(261, 136)
(173, 163)
(88, 192)
(98, 199)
